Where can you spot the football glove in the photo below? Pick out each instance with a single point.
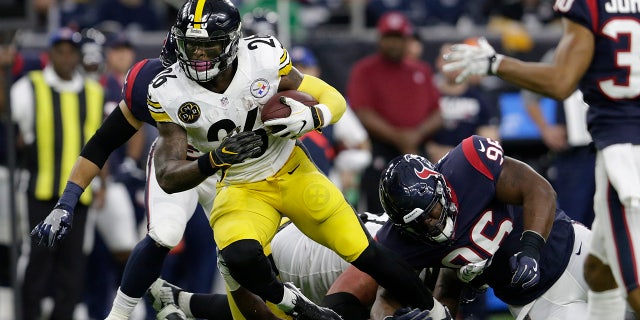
(471, 270)
(234, 148)
(472, 60)
(526, 273)
(301, 120)
(53, 228)
(524, 264)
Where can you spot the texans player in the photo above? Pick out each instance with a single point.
(168, 214)
(203, 101)
(484, 219)
(597, 54)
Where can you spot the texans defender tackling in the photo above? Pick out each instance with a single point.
(598, 54)
(208, 107)
(484, 219)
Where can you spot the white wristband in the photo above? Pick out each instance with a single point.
(326, 114)
(495, 63)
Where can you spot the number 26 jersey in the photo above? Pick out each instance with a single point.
(208, 116)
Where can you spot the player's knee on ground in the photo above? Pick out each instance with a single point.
(346, 305)
(598, 275)
(251, 268)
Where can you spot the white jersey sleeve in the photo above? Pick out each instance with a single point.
(208, 116)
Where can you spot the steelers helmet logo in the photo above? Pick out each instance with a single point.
(189, 112)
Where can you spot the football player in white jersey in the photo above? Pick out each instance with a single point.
(217, 89)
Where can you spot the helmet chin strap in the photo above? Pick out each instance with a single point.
(446, 233)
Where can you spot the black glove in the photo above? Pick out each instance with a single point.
(234, 148)
(54, 227)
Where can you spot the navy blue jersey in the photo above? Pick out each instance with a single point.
(611, 84)
(136, 87)
(484, 228)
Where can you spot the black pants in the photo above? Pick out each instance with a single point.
(57, 272)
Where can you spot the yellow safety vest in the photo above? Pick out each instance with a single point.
(64, 122)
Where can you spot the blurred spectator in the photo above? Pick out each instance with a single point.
(16, 190)
(260, 21)
(56, 110)
(465, 111)
(92, 53)
(342, 151)
(395, 99)
(261, 8)
(572, 171)
(415, 47)
(131, 14)
(414, 11)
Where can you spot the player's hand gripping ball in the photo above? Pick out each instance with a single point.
(275, 109)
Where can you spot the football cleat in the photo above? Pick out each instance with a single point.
(171, 312)
(163, 294)
(305, 309)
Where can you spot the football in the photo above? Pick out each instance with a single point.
(275, 109)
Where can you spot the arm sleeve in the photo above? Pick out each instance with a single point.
(113, 133)
(325, 94)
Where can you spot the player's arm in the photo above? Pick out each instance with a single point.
(331, 105)
(174, 172)
(448, 289)
(351, 294)
(558, 79)
(519, 184)
(386, 306)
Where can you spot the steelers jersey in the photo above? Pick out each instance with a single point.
(208, 117)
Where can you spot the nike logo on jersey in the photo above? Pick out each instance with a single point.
(579, 249)
(224, 150)
(482, 149)
(294, 169)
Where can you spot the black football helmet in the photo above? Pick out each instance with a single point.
(207, 33)
(168, 53)
(410, 187)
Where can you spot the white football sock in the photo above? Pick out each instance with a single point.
(288, 300)
(606, 305)
(122, 306)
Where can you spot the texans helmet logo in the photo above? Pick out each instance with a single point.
(425, 173)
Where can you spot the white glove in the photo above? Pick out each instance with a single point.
(472, 60)
(471, 270)
(301, 120)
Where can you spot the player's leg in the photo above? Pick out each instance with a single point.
(167, 216)
(244, 220)
(622, 167)
(242, 223)
(320, 211)
(605, 297)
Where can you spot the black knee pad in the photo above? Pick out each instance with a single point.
(251, 268)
